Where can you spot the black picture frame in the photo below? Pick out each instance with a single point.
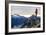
(6, 16)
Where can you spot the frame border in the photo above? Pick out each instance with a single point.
(6, 16)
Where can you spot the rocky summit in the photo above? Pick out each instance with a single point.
(23, 22)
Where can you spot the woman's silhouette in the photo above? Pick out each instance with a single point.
(36, 12)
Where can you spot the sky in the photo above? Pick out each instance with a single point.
(24, 10)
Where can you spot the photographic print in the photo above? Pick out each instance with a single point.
(25, 17)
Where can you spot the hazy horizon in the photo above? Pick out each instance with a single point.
(24, 10)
